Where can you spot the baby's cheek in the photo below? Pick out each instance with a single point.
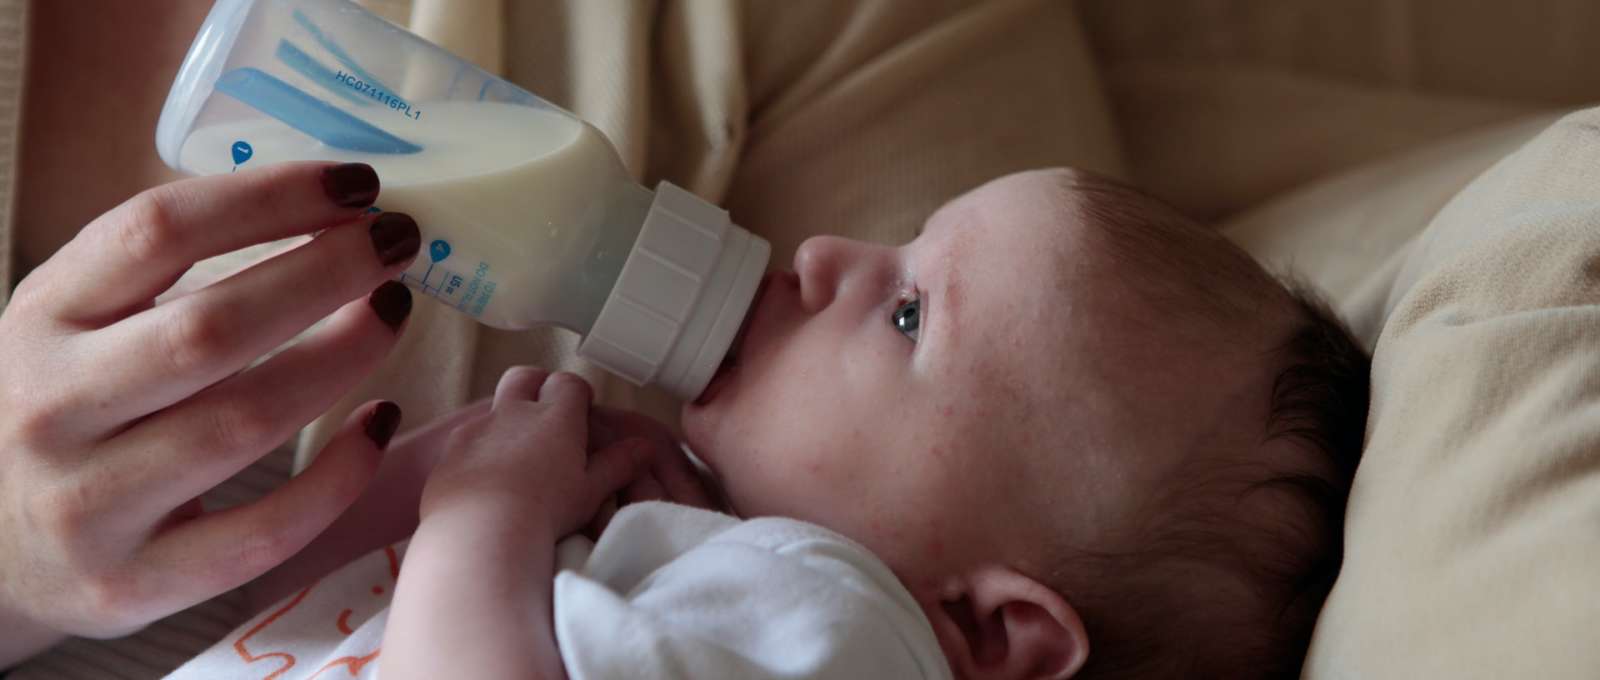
(814, 483)
(905, 534)
(815, 473)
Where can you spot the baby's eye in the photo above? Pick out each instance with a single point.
(907, 317)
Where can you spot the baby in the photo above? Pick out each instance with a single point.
(1065, 432)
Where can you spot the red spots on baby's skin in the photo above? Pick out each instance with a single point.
(936, 548)
(377, 590)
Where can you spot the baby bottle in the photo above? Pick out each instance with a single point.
(527, 215)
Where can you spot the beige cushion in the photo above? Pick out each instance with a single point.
(1472, 543)
(1223, 104)
(1347, 234)
(1527, 50)
(1215, 140)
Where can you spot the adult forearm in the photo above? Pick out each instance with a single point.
(474, 600)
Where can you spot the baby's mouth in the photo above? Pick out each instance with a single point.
(730, 363)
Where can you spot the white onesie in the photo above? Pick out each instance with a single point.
(668, 592)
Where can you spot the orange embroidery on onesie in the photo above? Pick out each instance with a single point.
(353, 664)
(244, 653)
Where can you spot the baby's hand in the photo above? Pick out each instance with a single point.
(526, 460)
(669, 477)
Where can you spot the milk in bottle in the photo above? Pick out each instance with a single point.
(527, 215)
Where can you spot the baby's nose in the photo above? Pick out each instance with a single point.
(819, 262)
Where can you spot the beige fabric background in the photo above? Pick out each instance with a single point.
(1225, 103)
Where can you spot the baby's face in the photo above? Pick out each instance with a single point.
(919, 399)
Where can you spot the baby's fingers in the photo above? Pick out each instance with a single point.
(568, 392)
(613, 468)
(519, 383)
(645, 488)
(678, 479)
(565, 399)
(602, 518)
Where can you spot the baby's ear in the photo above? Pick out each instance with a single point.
(997, 624)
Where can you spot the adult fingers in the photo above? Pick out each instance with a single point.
(212, 270)
(195, 560)
(414, 455)
(124, 258)
(385, 513)
(519, 383)
(163, 355)
(189, 448)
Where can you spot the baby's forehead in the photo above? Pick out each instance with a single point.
(1043, 226)
(1041, 196)
(1078, 218)
(1053, 261)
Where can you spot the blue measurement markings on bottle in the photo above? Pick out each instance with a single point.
(241, 153)
(436, 278)
(438, 251)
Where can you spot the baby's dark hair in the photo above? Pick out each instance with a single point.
(1232, 563)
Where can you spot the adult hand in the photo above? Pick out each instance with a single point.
(116, 412)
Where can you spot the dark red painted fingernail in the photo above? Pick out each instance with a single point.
(392, 302)
(382, 423)
(395, 237)
(350, 185)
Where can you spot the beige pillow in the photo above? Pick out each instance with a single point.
(1347, 234)
(1473, 533)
